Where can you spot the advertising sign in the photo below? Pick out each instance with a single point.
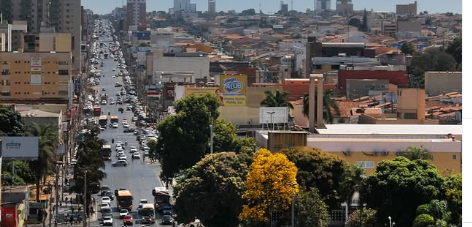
(200, 90)
(233, 90)
(20, 148)
(170, 91)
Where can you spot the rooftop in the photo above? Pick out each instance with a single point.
(370, 129)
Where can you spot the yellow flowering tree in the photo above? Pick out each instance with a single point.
(267, 186)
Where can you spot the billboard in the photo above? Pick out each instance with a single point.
(233, 90)
(170, 91)
(200, 90)
(276, 115)
(20, 148)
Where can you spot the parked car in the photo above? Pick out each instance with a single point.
(120, 163)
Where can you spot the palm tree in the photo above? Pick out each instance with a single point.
(47, 141)
(328, 104)
(277, 99)
(417, 153)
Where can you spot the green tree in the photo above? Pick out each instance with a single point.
(452, 188)
(408, 48)
(277, 99)
(47, 142)
(211, 190)
(329, 104)
(144, 45)
(318, 169)
(364, 26)
(267, 188)
(10, 122)
(455, 50)
(310, 209)
(90, 162)
(364, 217)
(423, 220)
(248, 12)
(399, 186)
(184, 137)
(416, 153)
(432, 59)
(354, 181)
(224, 135)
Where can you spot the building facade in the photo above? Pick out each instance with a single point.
(35, 76)
(344, 7)
(437, 83)
(135, 13)
(322, 5)
(211, 6)
(407, 9)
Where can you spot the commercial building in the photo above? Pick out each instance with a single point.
(10, 35)
(437, 83)
(135, 13)
(322, 5)
(397, 77)
(38, 77)
(212, 6)
(369, 144)
(344, 7)
(178, 67)
(407, 9)
(283, 7)
(13, 10)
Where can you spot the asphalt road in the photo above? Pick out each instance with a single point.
(138, 177)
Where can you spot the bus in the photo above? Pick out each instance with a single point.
(148, 213)
(114, 119)
(124, 200)
(161, 196)
(103, 121)
(97, 111)
(106, 152)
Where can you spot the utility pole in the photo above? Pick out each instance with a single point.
(211, 139)
(293, 202)
(85, 200)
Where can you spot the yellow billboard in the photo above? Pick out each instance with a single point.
(233, 90)
(200, 90)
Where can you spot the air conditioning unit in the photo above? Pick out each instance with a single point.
(347, 153)
(385, 153)
(375, 153)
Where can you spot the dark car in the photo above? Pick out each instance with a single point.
(110, 194)
(107, 212)
(164, 206)
(121, 109)
(120, 163)
(167, 220)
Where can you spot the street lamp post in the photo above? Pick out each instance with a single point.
(211, 139)
(85, 200)
(293, 202)
(390, 220)
(271, 119)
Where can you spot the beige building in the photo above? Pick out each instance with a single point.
(411, 103)
(407, 9)
(437, 83)
(35, 76)
(388, 27)
(409, 25)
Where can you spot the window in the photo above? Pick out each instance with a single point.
(63, 63)
(63, 92)
(454, 157)
(64, 72)
(366, 164)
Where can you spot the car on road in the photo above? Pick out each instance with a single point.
(167, 220)
(123, 213)
(134, 119)
(114, 70)
(121, 109)
(107, 221)
(102, 128)
(112, 102)
(133, 149)
(119, 153)
(140, 208)
(122, 157)
(125, 125)
(109, 194)
(104, 206)
(136, 155)
(106, 199)
(128, 130)
(120, 163)
(104, 102)
(103, 89)
(128, 220)
(114, 125)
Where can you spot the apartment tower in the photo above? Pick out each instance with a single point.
(322, 5)
(135, 13)
(211, 6)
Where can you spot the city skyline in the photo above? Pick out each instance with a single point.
(432, 6)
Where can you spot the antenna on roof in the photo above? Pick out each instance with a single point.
(292, 5)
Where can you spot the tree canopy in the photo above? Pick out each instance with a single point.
(10, 122)
(318, 169)
(211, 190)
(452, 188)
(432, 59)
(277, 99)
(328, 104)
(416, 153)
(364, 217)
(267, 186)
(310, 209)
(455, 50)
(399, 186)
(408, 48)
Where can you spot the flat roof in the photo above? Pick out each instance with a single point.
(384, 129)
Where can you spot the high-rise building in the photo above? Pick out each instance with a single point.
(135, 13)
(32, 12)
(344, 7)
(283, 7)
(193, 7)
(181, 6)
(407, 9)
(322, 5)
(211, 6)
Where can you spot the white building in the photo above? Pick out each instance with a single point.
(191, 66)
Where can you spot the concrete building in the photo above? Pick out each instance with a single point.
(11, 34)
(407, 9)
(322, 5)
(47, 42)
(135, 13)
(409, 27)
(356, 88)
(283, 7)
(181, 6)
(36, 76)
(388, 27)
(392, 74)
(32, 13)
(212, 6)
(180, 67)
(369, 144)
(411, 103)
(437, 83)
(344, 7)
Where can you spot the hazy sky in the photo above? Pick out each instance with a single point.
(432, 6)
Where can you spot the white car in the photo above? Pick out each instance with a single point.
(134, 119)
(115, 125)
(120, 153)
(118, 143)
(113, 76)
(104, 102)
(125, 125)
(122, 157)
(124, 121)
(136, 155)
(112, 103)
(114, 69)
(123, 213)
(107, 221)
(106, 199)
(133, 149)
(104, 206)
